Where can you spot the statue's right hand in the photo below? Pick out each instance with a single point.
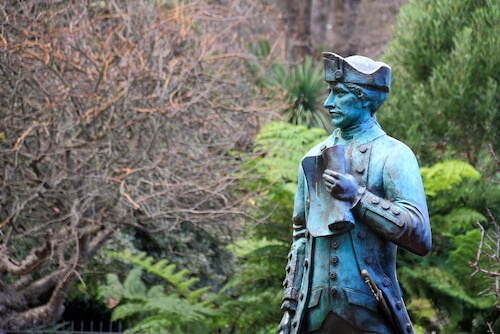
(341, 186)
(285, 324)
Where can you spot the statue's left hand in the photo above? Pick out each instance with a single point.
(341, 186)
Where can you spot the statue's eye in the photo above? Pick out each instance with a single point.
(338, 92)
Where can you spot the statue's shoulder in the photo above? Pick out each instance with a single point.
(389, 142)
(393, 147)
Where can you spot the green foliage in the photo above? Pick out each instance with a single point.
(445, 283)
(443, 280)
(158, 307)
(456, 221)
(252, 297)
(280, 146)
(444, 103)
(444, 175)
(302, 89)
(445, 79)
(465, 250)
(284, 145)
(423, 312)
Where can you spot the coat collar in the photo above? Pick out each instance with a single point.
(361, 138)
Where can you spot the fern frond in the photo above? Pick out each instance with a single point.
(443, 282)
(443, 175)
(113, 288)
(155, 291)
(127, 310)
(284, 145)
(458, 220)
(195, 295)
(162, 269)
(154, 308)
(133, 286)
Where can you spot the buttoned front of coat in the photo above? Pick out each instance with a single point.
(391, 212)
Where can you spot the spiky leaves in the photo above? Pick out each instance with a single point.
(303, 90)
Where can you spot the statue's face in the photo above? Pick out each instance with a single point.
(345, 108)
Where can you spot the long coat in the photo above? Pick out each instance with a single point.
(392, 212)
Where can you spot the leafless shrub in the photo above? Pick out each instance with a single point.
(115, 113)
(487, 261)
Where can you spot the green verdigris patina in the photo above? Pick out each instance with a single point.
(359, 197)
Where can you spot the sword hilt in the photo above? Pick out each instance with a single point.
(377, 293)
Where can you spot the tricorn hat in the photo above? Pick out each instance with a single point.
(357, 70)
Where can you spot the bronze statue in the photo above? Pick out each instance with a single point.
(359, 198)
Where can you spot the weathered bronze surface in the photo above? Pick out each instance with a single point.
(359, 197)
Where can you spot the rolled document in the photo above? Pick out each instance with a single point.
(326, 215)
(341, 218)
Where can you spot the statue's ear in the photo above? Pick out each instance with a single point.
(366, 103)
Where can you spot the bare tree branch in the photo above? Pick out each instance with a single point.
(115, 114)
(34, 259)
(487, 261)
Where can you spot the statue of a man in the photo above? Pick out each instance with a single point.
(359, 197)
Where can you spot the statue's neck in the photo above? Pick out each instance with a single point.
(352, 131)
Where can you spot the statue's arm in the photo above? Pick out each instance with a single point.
(294, 268)
(401, 216)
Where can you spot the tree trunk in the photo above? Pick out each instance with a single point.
(348, 28)
(296, 16)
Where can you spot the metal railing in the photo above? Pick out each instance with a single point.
(101, 327)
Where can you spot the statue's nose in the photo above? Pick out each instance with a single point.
(330, 103)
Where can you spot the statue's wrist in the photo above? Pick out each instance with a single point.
(356, 199)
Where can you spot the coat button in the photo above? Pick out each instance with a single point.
(306, 264)
(386, 282)
(375, 200)
(395, 210)
(399, 306)
(409, 328)
(301, 296)
(334, 259)
(335, 244)
(363, 148)
(333, 275)
(362, 234)
(333, 291)
(386, 205)
(360, 169)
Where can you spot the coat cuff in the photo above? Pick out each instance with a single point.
(382, 214)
